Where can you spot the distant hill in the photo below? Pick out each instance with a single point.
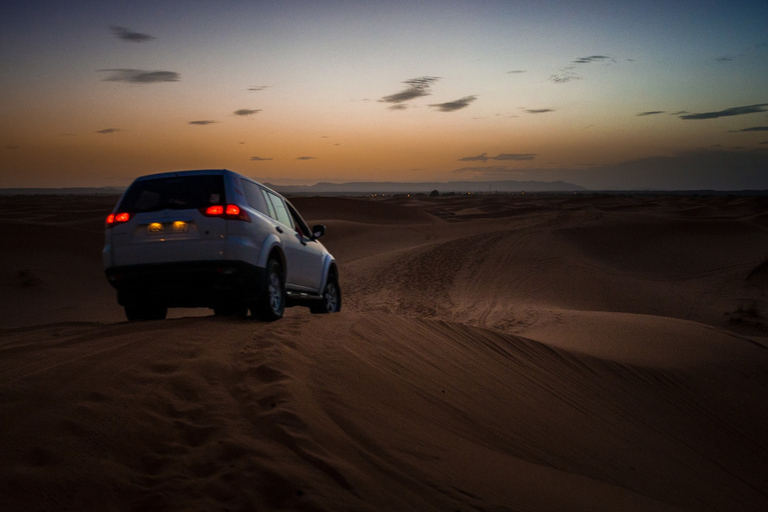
(392, 187)
(354, 187)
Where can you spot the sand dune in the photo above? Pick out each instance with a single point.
(494, 353)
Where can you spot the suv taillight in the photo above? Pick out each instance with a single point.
(117, 218)
(230, 211)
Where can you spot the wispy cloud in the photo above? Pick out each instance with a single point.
(753, 129)
(106, 131)
(650, 113)
(515, 156)
(258, 87)
(728, 112)
(202, 122)
(452, 106)
(129, 35)
(538, 110)
(515, 71)
(727, 58)
(568, 75)
(592, 58)
(306, 158)
(260, 159)
(483, 157)
(417, 87)
(140, 76)
(246, 112)
(564, 77)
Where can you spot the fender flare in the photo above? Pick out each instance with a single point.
(328, 265)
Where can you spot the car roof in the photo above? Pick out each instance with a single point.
(199, 172)
(184, 173)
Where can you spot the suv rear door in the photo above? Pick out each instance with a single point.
(167, 221)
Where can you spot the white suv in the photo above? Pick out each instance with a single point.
(214, 238)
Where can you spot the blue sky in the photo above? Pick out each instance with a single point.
(97, 93)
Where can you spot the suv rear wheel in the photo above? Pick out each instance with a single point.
(272, 303)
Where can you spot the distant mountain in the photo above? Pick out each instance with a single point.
(354, 187)
(392, 187)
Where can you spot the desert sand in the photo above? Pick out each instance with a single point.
(493, 353)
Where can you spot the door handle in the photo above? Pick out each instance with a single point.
(279, 229)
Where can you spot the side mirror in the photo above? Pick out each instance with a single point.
(318, 231)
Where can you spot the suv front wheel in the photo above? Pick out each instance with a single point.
(331, 299)
(272, 303)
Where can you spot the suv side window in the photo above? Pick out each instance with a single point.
(270, 209)
(279, 211)
(254, 197)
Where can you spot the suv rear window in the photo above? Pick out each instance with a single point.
(174, 193)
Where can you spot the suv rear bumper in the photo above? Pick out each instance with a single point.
(187, 284)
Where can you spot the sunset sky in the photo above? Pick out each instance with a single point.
(622, 93)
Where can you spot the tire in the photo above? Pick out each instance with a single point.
(271, 306)
(331, 300)
(150, 312)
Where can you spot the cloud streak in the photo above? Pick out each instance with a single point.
(728, 112)
(591, 59)
(483, 157)
(452, 106)
(753, 129)
(650, 113)
(106, 131)
(140, 76)
(260, 159)
(538, 110)
(202, 122)
(246, 112)
(129, 35)
(727, 58)
(417, 87)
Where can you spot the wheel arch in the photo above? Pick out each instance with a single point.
(329, 268)
(272, 249)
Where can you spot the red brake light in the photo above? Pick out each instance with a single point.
(117, 218)
(230, 211)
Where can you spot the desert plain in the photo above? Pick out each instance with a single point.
(586, 352)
